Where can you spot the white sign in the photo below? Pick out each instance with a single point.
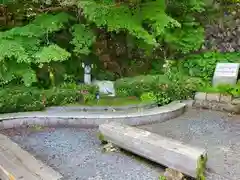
(226, 73)
(226, 69)
(105, 87)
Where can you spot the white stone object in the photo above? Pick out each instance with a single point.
(105, 87)
(165, 151)
(225, 73)
(87, 73)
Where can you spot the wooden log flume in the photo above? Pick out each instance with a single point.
(165, 151)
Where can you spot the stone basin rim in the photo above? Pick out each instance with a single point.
(160, 114)
(103, 108)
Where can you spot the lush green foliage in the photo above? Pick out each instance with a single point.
(18, 99)
(83, 38)
(43, 43)
(54, 31)
(203, 65)
(233, 90)
(148, 96)
(20, 47)
(201, 167)
(159, 88)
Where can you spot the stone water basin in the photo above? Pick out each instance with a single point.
(77, 154)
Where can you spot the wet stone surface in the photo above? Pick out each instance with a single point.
(77, 155)
(218, 132)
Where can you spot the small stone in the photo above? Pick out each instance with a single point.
(225, 98)
(189, 103)
(109, 147)
(172, 174)
(213, 97)
(200, 96)
(233, 108)
(236, 101)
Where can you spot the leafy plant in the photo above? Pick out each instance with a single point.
(148, 96)
(138, 85)
(203, 65)
(48, 39)
(57, 96)
(201, 166)
(160, 88)
(222, 88)
(102, 139)
(83, 39)
(162, 178)
(20, 47)
(20, 99)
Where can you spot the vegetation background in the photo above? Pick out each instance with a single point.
(172, 45)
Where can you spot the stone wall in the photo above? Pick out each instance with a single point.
(217, 102)
(224, 35)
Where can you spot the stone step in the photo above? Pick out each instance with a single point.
(22, 165)
(12, 166)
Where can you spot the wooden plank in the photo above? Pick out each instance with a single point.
(22, 164)
(5, 175)
(12, 168)
(165, 151)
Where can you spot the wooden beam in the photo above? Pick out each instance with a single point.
(165, 151)
(5, 175)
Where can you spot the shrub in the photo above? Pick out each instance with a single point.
(81, 87)
(20, 99)
(138, 85)
(203, 65)
(70, 93)
(58, 96)
(184, 87)
(85, 92)
(164, 89)
(233, 90)
(149, 96)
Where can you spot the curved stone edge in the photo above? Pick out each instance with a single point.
(102, 108)
(160, 114)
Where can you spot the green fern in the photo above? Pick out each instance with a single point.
(154, 11)
(11, 70)
(12, 49)
(51, 53)
(149, 24)
(20, 47)
(83, 39)
(116, 18)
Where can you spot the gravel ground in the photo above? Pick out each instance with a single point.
(77, 155)
(218, 132)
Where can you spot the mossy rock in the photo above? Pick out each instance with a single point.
(171, 174)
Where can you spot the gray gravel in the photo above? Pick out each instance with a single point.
(77, 155)
(215, 131)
